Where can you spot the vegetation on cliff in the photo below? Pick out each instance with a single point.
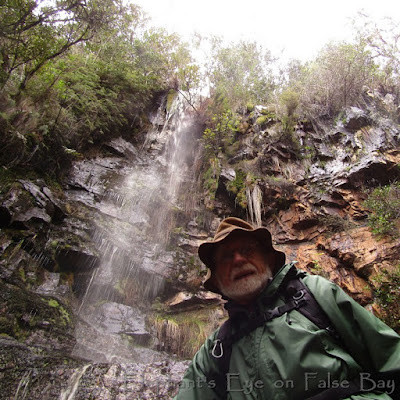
(76, 73)
(73, 74)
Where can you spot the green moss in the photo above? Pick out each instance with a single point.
(63, 315)
(171, 96)
(318, 269)
(232, 149)
(53, 303)
(262, 119)
(250, 107)
(22, 274)
(120, 287)
(237, 184)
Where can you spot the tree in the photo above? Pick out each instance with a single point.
(34, 32)
(80, 73)
(383, 41)
(337, 78)
(240, 72)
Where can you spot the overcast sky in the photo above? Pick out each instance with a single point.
(289, 28)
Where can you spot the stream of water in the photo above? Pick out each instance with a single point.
(136, 206)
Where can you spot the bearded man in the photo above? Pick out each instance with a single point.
(290, 335)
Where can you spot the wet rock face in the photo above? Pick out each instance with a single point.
(42, 376)
(356, 119)
(362, 251)
(150, 381)
(321, 220)
(28, 203)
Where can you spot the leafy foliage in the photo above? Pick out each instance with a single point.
(384, 204)
(33, 33)
(220, 132)
(387, 293)
(77, 73)
(241, 73)
(336, 79)
(383, 44)
(211, 180)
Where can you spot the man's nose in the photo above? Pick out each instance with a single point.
(238, 258)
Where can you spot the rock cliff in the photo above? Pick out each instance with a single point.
(87, 260)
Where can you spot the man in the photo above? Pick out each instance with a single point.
(279, 343)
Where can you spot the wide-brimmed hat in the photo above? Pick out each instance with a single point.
(225, 229)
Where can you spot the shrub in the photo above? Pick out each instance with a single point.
(238, 188)
(336, 79)
(387, 293)
(221, 132)
(384, 205)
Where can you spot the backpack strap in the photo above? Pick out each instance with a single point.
(222, 354)
(296, 288)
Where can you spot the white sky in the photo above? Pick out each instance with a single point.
(289, 28)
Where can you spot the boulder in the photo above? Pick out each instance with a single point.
(189, 301)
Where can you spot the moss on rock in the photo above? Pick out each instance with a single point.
(27, 315)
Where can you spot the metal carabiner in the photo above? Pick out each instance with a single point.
(297, 296)
(221, 349)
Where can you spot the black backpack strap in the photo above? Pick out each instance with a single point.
(296, 288)
(221, 352)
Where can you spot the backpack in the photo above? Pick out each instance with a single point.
(298, 297)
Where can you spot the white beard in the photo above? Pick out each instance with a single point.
(247, 287)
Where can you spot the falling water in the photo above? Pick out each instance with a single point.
(131, 232)
(70, 391)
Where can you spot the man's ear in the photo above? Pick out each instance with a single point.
(214, 281)
(271, 261)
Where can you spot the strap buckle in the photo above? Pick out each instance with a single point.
(271, 314)
(298, 298)
(217, 345)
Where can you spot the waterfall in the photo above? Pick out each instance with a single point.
(137, 214)
(73, 383)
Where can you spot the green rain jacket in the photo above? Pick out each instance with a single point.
(290, 358)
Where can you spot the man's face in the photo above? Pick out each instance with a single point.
(242, 268)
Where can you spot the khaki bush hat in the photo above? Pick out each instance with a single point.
(225, 229)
